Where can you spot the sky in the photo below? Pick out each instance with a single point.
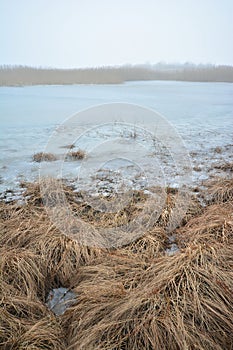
(92, 33)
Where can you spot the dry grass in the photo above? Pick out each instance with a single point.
(179, 208)
(76, 155)
(227, 167)
(59, 255)
(44, 334)
(182, 302)
(214, 225)
(218, 149)
(134, 297)
(116, 267)
(23, 270)
(27, 324)
(219, 190)
(70, 146)
(44, 157)
(151, 245)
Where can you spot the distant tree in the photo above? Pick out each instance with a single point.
(22, 75)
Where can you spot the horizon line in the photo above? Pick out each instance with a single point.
(148, 65)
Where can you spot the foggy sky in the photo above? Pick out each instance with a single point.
(89, 33)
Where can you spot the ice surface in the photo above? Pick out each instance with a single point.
(60, 299)
(201, 113)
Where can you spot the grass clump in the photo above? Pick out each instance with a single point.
(219, 190)
(182, 302)
(76, 155)
(151, 245)
(226, 167)
(44, 157)
(23, 270)
(218, 149)
(215, 224)
(44, 334)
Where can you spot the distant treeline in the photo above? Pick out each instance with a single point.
(21, 75)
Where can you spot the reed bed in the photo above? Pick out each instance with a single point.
(132, 297)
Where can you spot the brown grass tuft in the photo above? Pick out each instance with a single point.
(44, 334)
(179, 208)
(44, 157)
(219, 190)
(227, 167)
(218, 149)
(183, 302)
(76, 155)
(23, 270)
(149, 246)
(27, 324)
(33, 243)
(214, 225)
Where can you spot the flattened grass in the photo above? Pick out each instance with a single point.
(220, 190)
(182, 302)
(134, 297)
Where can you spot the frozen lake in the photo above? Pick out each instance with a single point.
(200, 113)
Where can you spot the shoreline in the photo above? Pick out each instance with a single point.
(23, 75)
(118, 83)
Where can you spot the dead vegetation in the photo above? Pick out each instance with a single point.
(181, 302)
(133, 297)
(76, 155)
(44, 157)
(70, 146)
(218, 149)
(226, 167)
(215, 224)
(219, 190)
